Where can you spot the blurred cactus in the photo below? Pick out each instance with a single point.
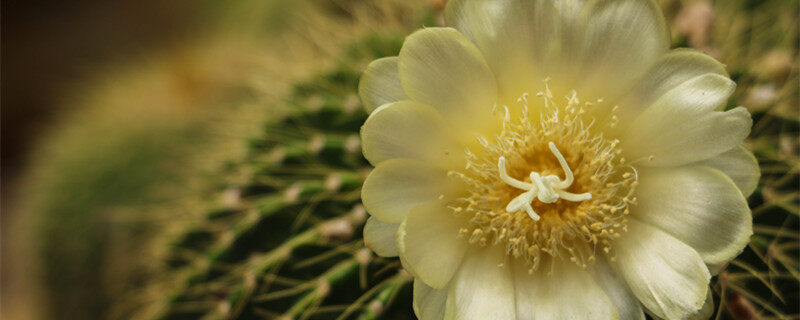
(130, 146)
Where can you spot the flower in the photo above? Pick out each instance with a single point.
(555, 160)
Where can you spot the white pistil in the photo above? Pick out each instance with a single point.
(547, 189)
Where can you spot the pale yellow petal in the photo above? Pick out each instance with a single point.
(429, 303)
(706, 311)
(483, 288)
(397, 185)
(411, 130)
(620, 39)
(699, 206)
(740, 165)
(379, 237)
(442, 68)
(520, 40)
(628, 307)
(682, 127)
(668, 72)
(568, 293)
(380, 84)
(717, 268)
(667, 276)
(430, 245)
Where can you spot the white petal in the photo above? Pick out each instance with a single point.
(380, 84)
(569, 293)
(700, 206)
(669, 71)
(482, 288)
(379, 237)
(519, 39)
(430, 245)
(740, 165)
(408, 129)
(442, 68)
(628, 307)
(429, 303)
(682, 127)
(397, 185)
(666, 275)
(621, 39)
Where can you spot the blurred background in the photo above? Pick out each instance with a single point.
(49, 49)
(199, 159)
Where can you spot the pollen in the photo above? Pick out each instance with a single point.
(517, 198)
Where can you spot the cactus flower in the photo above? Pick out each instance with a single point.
(555, 160)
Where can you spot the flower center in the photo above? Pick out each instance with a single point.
(552, 218)
(547, 189)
